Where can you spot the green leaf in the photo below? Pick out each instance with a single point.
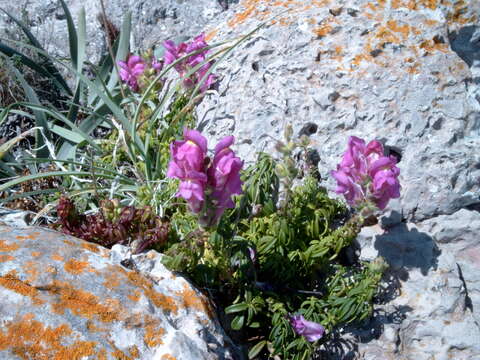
(236, 308)
(237, 322)
(255, 350)
(72, 35)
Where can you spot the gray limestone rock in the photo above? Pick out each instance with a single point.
(430, 304)
(64, 298)
(404, 73)
(152, 21)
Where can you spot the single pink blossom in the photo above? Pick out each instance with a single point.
(310, 330)
(131, 70)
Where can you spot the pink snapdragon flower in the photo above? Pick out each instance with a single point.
(135, 71)
(365, 174)
(206, 186)
(310, 330)
(224, 176)
(131, 70)
(175, 52)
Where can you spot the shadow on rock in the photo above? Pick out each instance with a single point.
(404, 249)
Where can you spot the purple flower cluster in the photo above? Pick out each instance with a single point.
(175, 52)
(135, 67)
(310, 330)
(365, 174)
(206, 185)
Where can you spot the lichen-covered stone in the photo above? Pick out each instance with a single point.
(64, 298)
(402, 71)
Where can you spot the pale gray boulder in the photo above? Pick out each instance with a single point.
(64, 298)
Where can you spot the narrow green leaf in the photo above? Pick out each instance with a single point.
(237, 322)
(255, 350)
(236, 308)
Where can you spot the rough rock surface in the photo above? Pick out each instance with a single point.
(64, 298)
(153, 21)
(432, 301)
(402, 71)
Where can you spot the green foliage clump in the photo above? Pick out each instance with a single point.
(265, 262)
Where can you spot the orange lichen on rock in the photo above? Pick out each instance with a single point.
(262, 9)
(458, 16)
(83, 303)
(134, 351)
(192, 300)
(112, 280)
(135, 296)
(12, 282)
(168, 357)
(162, 301)
(31, 236)
(4, 246)
(36, 253)
(91, 247)
(77, 267)
(153, 333)
(403, 30)
(5, 258)
(30, 267)
(30, 339)
(432, 45)
(91, 327)
(57, 257)
(323, 30)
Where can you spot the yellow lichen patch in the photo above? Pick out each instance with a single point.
(51, 269)
(30, 267)
(192, 300)
(430, 22)
(5, 258)
(30, 339)
(153, 333)
(57, 257)
(162, 301)
(134, 351)
(12, 282)
(36, 253)
(262, 9)
(4, 246)
(429, 46)
(91, 327)
(102, 354)
(31, 236)
(458, 16)
(77, 267)
(323, 30)
(83, 303)
(135, 296)
(69, 242)
(403, 30)
(112, 280)
(91, 247)
(211, 34)
(168, 357)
